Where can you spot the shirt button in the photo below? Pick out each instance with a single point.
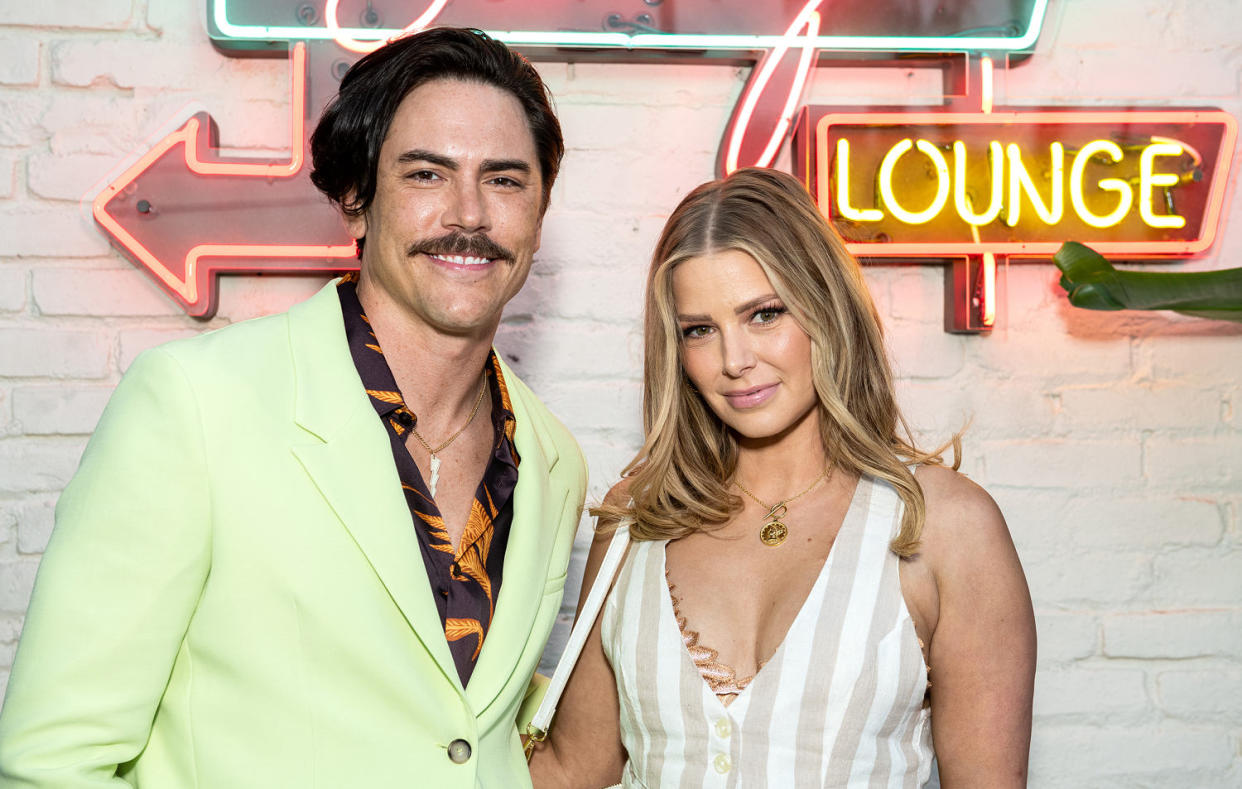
(459, 751)
(722, 763)
(723, 729)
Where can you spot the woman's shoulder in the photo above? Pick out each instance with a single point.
(619, 494)
(959, 511)
(609, 517)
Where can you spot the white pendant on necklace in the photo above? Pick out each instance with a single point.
(435, 475)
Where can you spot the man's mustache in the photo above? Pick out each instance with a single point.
(477, 245)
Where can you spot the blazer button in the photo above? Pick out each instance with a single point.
(459, 751)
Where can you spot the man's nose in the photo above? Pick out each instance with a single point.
(467, 209)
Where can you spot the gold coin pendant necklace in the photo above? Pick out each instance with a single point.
(774, 531)
(435, 459)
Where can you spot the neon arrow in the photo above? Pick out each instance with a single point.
(181, 190)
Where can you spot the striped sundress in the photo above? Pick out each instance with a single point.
(839, 704)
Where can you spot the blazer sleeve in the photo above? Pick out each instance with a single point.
(118, 584)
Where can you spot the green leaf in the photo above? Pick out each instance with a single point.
(1092, 283)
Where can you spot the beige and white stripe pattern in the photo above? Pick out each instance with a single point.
(840, 703)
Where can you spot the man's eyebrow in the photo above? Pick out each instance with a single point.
(502, 165)
(419, 155)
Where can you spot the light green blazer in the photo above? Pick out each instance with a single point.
(233, 595)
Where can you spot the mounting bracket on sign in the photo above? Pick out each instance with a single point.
(970, 283)
(970, 294)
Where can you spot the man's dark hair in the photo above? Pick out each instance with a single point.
(345, 145)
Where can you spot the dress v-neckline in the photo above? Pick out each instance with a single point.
(821, 579)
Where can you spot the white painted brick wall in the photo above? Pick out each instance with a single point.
(1112, 441)
(19, 61)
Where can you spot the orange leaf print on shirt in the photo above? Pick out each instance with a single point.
(457, 629)
(477, 541)
(436, 528)
(393, 398)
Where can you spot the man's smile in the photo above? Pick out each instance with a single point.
(462, 261)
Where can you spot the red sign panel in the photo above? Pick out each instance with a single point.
(917, 183)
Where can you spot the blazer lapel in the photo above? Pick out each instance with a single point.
(538, 515)
(349, 457)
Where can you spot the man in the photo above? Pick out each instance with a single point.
(325, 548)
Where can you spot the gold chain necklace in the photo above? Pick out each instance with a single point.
(774, 532)
(435, 460)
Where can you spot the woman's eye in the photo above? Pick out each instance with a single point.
(768, 315)
(695, 332)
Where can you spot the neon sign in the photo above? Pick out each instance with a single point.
(264, 215)
(966, 183)
(783, 37)
(1140, 183)
(634, 26)
(247, 202)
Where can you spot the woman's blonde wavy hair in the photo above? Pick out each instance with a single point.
(680, 480)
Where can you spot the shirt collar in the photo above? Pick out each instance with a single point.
(377, 377)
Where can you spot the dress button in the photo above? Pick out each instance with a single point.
(722, 763)
(459, 751)
(723, 729)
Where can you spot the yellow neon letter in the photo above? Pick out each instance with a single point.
(1148, 179)
(942, 182)
(996, 160)
(843, 188)
(1125, 195)
(1020, 181)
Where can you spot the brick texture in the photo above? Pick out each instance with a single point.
(1174, 634)
(59, 410)
(53, 353)
(8, 176)
(67, 176)
(48, 231)
(69, 14)
(107, 292)
(12, 289)
(34, 524)
(19, 61)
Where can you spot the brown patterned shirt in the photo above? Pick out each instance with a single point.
(465, 582)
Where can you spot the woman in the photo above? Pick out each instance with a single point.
(798, 569)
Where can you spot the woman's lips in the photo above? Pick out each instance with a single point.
(749, 398)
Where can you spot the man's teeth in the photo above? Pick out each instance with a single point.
(463, 260)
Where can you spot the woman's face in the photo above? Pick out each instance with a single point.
(740, 347)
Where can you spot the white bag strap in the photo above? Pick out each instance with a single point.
(537, 731)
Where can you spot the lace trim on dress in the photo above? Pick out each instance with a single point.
(721, 678)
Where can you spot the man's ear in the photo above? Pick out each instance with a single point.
(355, 224)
